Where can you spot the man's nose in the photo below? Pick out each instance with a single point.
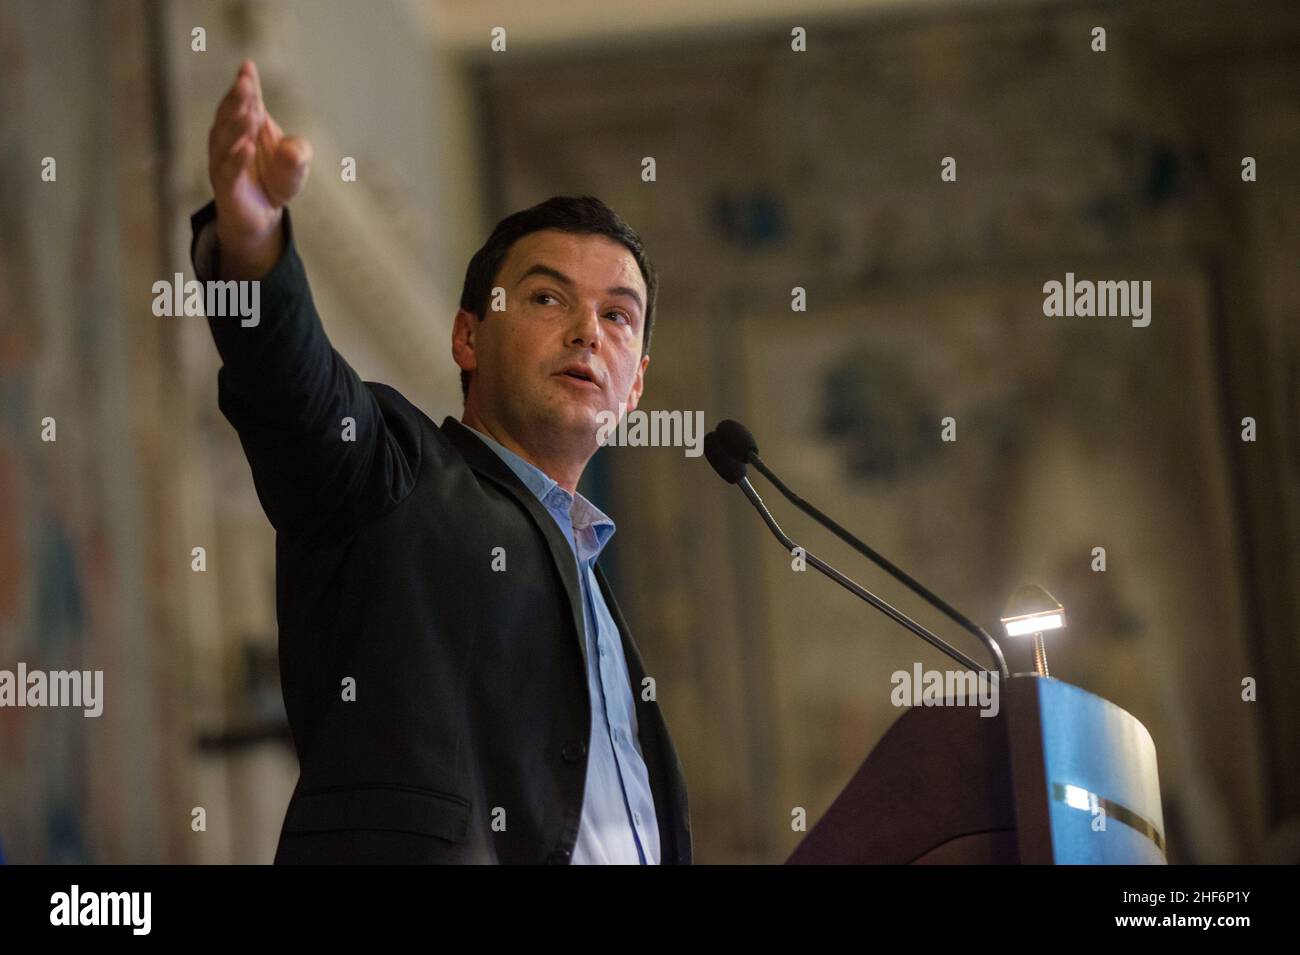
(584, 328)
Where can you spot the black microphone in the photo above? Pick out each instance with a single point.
(734, 471)
(735, 441)
(729, 468)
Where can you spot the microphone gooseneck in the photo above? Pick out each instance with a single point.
(735, 445)
(855, 588)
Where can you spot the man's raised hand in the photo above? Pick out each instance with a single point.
(255, 169)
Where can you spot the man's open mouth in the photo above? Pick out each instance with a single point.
(580, 375)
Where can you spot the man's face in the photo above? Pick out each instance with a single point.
(572, 302)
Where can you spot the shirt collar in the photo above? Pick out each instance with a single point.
(592, 527)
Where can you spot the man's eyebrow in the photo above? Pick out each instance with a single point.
(563, 279)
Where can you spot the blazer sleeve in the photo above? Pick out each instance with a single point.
(288, 394)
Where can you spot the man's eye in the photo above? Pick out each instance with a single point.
(626, 318)
(540, 295)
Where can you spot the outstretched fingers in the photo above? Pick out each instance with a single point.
(244, 138)
(236, 118)
(237, 128)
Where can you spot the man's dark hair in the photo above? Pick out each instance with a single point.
(579, 215)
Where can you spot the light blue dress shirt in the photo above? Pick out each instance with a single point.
(618, 824)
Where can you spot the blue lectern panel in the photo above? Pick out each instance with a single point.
(1102, 784)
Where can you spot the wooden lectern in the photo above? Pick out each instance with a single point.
(1058, 776)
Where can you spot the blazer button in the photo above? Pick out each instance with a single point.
(558, 857)
(573, 752)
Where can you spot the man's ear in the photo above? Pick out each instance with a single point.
(638, 383)
(463, 339)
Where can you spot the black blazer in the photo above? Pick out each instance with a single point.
(466, 739)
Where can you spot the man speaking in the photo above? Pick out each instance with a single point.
(460, 683)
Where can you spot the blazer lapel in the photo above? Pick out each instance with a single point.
(486, 462)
